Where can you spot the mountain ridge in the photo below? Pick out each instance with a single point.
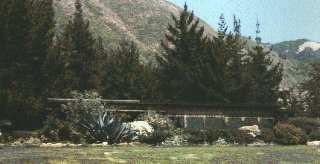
(302, 50)
(143, 22)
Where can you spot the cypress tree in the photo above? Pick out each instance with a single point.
(83, 41)
(15, 25)
(264, 78)
(25, 42)
(227, 47)
(124, 76)
(235, 79)
(312, 86)
(183, 65)
(73, 60)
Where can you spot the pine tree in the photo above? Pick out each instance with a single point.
(40, 41)
(74, 58)
(184, 65)
(83, 41)
(227, 48)
(312, 86)
(264, 78)
(124, 77)
(15, 26)
(235, 79)
(25, 42)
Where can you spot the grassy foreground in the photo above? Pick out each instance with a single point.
(210, 154)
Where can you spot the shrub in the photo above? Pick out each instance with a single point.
(314, 135)
(57, 130)
(154, 138)
(162, 129)
(213, 134)
(237, 136)
(88, 121)
(160, 122)
(5, 137)
(199, 136)
(196, 136)
(141, 127)
(5, 126)
(267, 135)
(252, 130)
(305, 123)
(288, 134)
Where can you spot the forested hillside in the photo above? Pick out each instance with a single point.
(129, 50)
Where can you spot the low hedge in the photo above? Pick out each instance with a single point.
(306, 123)
(288, 134)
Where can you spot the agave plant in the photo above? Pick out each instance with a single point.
(92, 120)
(120, 132)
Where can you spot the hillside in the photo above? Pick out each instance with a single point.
(302, 50)
(144, 22)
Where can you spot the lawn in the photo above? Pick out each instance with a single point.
(208, 154)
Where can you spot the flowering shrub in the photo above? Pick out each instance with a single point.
(141, 127)
(162, 129)
(252, 130)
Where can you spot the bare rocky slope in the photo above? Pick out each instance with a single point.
(142, 21)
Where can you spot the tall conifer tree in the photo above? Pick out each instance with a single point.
(25, 42)
(124, 77)
(264, 78)
(185, 65)
(74, 58)
(312, 86)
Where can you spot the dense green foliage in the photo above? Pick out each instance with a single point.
(73, 60)
(125, 76)
(163, 129)
(288, 134)
(26, 36)
(87, 120)
(210, 135)
(313, 88)
(197, 68)
(188, 68)
(264, 79)
(306, 123)
(37, 63)
(290, 50)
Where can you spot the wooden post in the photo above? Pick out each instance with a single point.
(185, 121)
(225, 120)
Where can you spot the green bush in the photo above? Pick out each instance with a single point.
(306, 123)
(200, 136)
(6, 137)
(162, 126)
(196, 136)
(237, 136)
(87, 121)
(213, 134)
(267, 135)
(5, 126)
(314, 135)
(288, 134)
(56, 130)
(155, 138)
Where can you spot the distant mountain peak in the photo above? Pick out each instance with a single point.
(312, 45)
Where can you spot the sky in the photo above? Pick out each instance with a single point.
(280, 20)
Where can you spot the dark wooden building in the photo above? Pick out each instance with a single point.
(194, 115)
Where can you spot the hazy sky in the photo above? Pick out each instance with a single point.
(280, 19)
